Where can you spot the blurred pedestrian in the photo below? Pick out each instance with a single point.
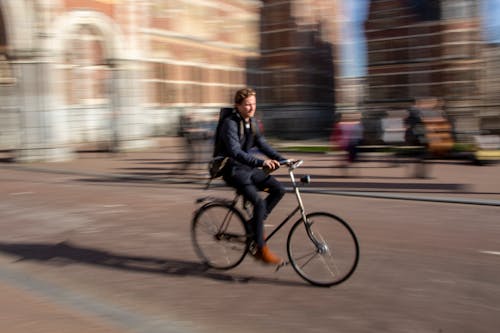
(414, 126)
(198, 135)
(415, 136)
(347, 134)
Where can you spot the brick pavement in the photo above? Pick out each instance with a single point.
(164, 163)
(22, 311)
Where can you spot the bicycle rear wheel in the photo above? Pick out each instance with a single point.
(326, 257)
(219, 235)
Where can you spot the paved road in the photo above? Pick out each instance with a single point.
(104, 243)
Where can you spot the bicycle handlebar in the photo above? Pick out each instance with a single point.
(292, 164)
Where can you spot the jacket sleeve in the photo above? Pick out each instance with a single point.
(232, 144)
(266, 149)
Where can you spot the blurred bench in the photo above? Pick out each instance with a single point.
(487, 149)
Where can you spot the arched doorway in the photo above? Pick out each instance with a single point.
(87, 88)
(9, 111)
(95, 83)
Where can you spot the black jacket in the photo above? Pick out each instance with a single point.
(241, 143)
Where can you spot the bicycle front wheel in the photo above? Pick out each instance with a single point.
(324, 251)
(219, 235)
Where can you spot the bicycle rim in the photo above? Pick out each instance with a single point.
(219, 236)
(329, 260)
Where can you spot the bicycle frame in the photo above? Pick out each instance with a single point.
(300, 205)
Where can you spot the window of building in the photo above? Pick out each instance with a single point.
(459, 9)
(6, 74)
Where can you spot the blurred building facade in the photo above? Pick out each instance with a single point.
(297, 70)
(71, 76)
(489, 119)
(102, 74)
(433, 48)
(200, 53)
(109, 74)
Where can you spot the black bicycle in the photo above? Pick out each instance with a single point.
(322, 248)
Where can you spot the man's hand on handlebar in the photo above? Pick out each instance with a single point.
(271, 164)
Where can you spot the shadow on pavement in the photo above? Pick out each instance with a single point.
(318, 182)
(379, 186)
(65, 253)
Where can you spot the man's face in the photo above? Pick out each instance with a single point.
(247, 107)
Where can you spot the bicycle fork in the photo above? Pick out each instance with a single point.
(320, 246)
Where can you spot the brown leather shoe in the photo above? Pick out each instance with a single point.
(264, 254)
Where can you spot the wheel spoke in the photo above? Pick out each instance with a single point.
(311, 257)
(329, 264)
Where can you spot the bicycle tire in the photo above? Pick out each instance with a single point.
(217, 248)
(334, 260)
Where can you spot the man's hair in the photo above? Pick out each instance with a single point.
(242, 94)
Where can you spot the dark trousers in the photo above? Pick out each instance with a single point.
(249, 182)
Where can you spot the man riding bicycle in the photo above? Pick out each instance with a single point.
(239, 137)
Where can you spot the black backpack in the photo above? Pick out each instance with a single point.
(217, 163)
(223, 114)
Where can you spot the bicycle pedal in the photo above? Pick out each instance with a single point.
(252, 249)
(283, 264)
